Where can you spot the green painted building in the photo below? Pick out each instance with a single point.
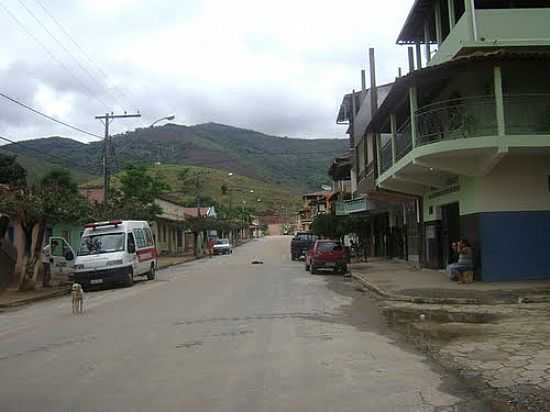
(465, 136)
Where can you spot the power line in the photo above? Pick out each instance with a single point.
(51, 55)
(84, 69)
(53, 119)
(84, 53)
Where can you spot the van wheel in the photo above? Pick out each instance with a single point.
(152, 273)
(130, 279)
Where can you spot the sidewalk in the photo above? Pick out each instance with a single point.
(12, 297)
(481, 331)
(501, 351)
(167, 261)
(400, 281)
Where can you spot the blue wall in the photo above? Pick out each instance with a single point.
(515, 245)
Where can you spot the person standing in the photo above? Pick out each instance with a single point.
(46, 275)
(210, 247)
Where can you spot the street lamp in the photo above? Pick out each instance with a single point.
(169, 118)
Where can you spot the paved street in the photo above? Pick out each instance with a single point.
(219, 334)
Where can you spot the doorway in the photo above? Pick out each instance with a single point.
(450, 230)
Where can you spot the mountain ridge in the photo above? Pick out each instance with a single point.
(299, 164)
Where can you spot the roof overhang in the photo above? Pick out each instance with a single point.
(413, 29)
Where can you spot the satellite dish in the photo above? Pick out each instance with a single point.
(326, 187)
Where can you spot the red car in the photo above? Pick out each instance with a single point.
(327, 254)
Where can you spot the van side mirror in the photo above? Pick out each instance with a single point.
(131, 248)
(69, 255)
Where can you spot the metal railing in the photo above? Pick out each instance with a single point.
(386, 158)
(345, 207)
(403, 140)
(456, 119)
(527, 114)
(524, 114)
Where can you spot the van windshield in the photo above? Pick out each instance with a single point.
(101, 243)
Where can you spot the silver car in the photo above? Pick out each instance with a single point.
(222, 247)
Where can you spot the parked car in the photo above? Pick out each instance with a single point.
(113, 252)
(222, 247)
(300, 244)
(327, 254)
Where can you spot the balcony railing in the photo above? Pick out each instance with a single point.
(456, 119)
(403, 140)
(527, 114)
(386, 158)
(345, 207)
(524, 114)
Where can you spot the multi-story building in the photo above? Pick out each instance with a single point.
(315, 203)
(467, 134)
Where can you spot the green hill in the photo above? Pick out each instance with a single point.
(37, 167)
(272, 197)
(299, 164)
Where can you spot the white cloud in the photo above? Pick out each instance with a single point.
(279, 67)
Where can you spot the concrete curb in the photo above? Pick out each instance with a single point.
(413, 299)
(179, 263)
(443, 301)
(34, 299)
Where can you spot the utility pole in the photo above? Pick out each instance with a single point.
(106, 118)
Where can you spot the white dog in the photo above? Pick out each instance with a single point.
(78, 298)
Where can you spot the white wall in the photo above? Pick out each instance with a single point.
(517, 183)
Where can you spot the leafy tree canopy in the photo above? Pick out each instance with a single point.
(11, 172)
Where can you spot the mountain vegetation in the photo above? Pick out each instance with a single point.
(216, 187)
(299, 164)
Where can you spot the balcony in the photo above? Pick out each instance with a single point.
(456, 119)
(346, 207)
(461, 137)
(496, 28)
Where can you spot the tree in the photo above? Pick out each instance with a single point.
(56, 199)
(134, 199)
(331, 226)
(12, 173)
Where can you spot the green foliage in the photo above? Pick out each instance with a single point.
(59, 198)
(137, 185)
(336, 227)
(298, 164)
(134, 198)
(11, 172)
(56, 199)
(272, 197)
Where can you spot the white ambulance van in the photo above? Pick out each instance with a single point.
(114, 252)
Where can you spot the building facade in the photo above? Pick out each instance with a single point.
(315, 203)
(466, 134)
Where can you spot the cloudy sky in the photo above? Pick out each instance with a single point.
(280, 67)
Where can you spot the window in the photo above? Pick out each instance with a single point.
(140, 238)
(65, 234)
(102, 243)
(149, 237)
(131, 243)
(329, 246)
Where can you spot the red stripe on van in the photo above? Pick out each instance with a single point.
(146, 254)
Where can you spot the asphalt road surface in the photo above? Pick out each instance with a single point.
(219, 334)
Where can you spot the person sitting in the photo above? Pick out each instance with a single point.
(464, 263)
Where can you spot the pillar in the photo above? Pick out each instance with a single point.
(393, 126)
(413, 103)
(437, 15)
(452, 17)
(499, 101)
(427, 41)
